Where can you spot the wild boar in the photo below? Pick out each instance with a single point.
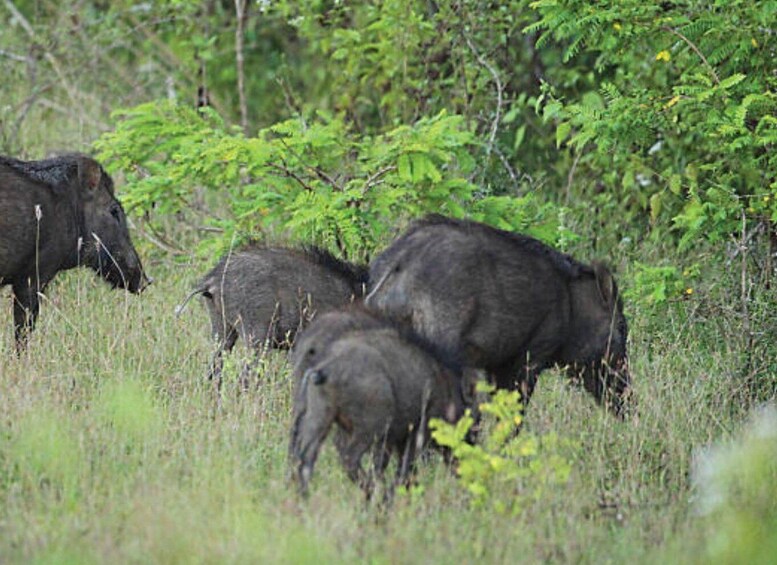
(56, 214)
(265, 295)
(380, 390)
(314, 342)
(506, 303)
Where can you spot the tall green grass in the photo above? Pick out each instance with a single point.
(114, 448)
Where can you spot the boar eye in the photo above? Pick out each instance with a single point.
(312, 351)
(115, 212)
(396, 268)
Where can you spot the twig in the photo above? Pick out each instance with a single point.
(291, 102)
(12, 56)
(65, 111)
(695, 49)
(241, 11)
(743, 248)
(157, 239)
(771, 236)
(571, 176)
(172, 60)
(49, 57)
(374, 179)
(291, 174)
(499, 89)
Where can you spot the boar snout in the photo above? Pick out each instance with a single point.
(141, 283)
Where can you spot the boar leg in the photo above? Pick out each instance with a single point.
(521, 378)
(217, 363)
(527, 381)
(26, 306)
(406, 462)
(351, 453)
(381, 456)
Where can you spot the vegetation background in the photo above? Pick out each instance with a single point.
(640, 132)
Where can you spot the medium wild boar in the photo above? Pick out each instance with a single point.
(380, 390)
(57, 214)
(314, 343)
(264, 295)
(506, 303)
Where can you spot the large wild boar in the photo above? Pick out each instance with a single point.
(57, 214)
(264, 295)
(507, 303)
(380, 390)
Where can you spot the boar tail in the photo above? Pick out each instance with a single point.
(370, 295)
(202, 289)
(312, 422)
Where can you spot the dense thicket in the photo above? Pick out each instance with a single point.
(332, 121)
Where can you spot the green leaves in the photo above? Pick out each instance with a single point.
(308, 180)
(502, 461)
(687, 104)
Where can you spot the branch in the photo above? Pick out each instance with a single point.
(291, 174)
(571, 176)
(374, 178)
(26, 107)
(66, 112)
(508, 167)
(695, 49)
(49, 57)
(319, 172)
(156, 238)
(325, 177)
(12, 56)
(499, 90)
(241, 10)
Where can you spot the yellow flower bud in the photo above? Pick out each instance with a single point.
(663, 56)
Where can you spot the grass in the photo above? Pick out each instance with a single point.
(113, 448)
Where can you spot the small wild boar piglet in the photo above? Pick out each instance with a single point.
(264, 295)
(57, 214)
(380, 391)
(506, 303)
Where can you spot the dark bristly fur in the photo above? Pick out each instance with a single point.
(356, 272)
(380, 389)
(565, 264)
(57, 214)
(506, 303)
(265, 295)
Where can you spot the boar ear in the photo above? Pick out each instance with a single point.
(89, 173)
(608, 290)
